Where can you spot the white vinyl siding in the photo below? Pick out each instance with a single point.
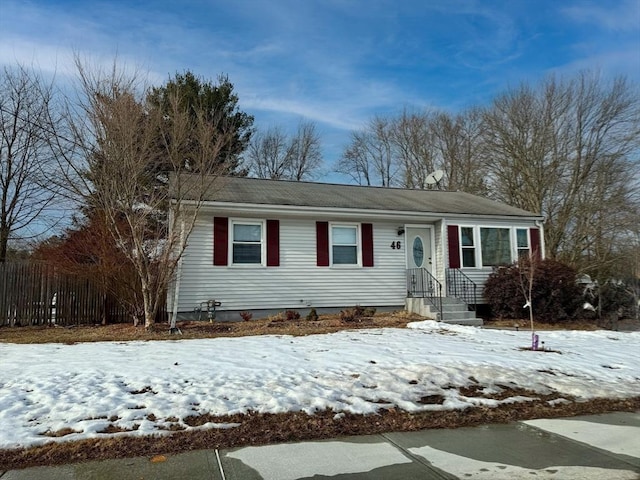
(297, 282)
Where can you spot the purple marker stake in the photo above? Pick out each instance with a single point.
(534, 341)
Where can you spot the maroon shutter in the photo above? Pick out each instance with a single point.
(322, 244)
(453, 235)
(273, 243)
(367, 245)
(535, 243)
(220, 240)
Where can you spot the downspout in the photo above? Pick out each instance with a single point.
(176, 289)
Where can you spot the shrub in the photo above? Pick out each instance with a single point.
(278, 317)
(348, 315)
(356, 313)
(246, 316)
(555, 295)
(616, 298)
(312, 315)
(292, 315)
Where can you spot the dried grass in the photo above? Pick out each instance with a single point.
(198, 329)
(260, 429)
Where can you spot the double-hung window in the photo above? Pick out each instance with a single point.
(344, 245)
(247, 242)
(522, 242)
(467, 243)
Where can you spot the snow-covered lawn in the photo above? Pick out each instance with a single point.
(149, 385)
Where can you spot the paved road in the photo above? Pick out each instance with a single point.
(590, 447)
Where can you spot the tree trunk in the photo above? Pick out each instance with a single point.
(4, 239)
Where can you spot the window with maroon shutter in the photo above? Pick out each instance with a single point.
(322, 244)
(536, 248)
(220, 240)
(367, 244)
(454, 246)
(273, 243)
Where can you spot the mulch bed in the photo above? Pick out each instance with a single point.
(260, 429)
(201, 329)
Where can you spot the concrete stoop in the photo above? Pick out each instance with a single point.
(453, 311)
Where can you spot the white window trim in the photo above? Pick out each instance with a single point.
(513, 238)
(263, 241)
(516, 249)
(358, 263)
(476, 244)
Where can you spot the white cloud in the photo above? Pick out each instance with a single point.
(623, 15)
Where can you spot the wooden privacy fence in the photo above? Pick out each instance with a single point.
(36, 294)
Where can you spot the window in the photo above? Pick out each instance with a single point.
(344, 244)
(468, 247)
(495, 244)
(479, 247)
(522, 242)
(247, 242)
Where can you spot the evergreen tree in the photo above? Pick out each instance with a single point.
(215, 103)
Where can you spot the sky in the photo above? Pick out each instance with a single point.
(146, 387)
(333, 62)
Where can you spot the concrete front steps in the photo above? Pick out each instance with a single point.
(453, 311)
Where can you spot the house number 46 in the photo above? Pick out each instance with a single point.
(396, 245)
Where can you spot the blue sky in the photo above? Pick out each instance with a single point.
(334, 62)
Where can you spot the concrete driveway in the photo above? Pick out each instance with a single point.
(588, 447)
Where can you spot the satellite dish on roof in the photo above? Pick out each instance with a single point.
(434, 178)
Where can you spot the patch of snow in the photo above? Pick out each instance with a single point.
(88, 387)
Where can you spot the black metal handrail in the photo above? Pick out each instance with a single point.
(422, 284)
(462, 287)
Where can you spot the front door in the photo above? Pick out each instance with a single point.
(418, 248)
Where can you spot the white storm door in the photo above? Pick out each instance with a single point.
(418, 248)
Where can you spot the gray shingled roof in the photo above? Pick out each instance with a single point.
(278, 192)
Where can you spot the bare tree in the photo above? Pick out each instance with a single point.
(267, 155)
(527, 266)
(116, 141)
(25, 125)
(369, 158)
(305, 156)
(568, 149)
(405, 149)
(276, 156)
(413, 147)
(457, 141)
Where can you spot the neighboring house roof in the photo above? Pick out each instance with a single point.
(242, 190)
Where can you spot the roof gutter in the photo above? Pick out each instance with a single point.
(298, 210)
